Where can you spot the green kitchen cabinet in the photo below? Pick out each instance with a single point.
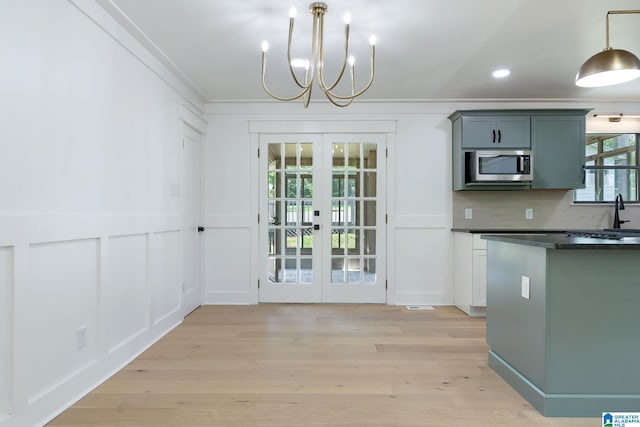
(558, 145)
(496, 132)
(555, 137)
(562, 322)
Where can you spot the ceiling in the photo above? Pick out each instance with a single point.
(426, 49)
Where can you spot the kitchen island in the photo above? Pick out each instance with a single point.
(563, 321)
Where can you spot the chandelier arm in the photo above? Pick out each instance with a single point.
(293, 73)
(307, 98)
(364, 89)
(321, 81)
(314, 49)
(279, 98)
(336, 103)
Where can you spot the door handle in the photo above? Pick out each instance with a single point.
(494, 136)
(499, 136)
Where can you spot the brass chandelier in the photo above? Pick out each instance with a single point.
(611, 66)
(314, 68)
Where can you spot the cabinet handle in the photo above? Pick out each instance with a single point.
(494, 136)
(499, 136)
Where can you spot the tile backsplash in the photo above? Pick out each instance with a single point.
(552, 209)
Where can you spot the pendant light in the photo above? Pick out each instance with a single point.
(611, 66)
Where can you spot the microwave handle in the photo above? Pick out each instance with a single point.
(521, 164)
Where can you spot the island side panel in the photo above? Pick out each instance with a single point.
(516, 325)
(594, 323)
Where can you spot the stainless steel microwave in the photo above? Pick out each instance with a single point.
(499, 166)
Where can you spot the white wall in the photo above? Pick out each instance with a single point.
(418, 196)
(419, 243)
(90, 227)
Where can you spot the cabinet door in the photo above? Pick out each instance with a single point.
(479, 132)
(479, 287)
(558, 147)
(496, 132)
(514, 132)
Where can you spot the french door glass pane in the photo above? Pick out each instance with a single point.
(370, 154)
(369, 184)
(369, 213)
(369, 270)
(275, 269)
(338, 270)
(369, 244)
(306, 270)
(290, 270)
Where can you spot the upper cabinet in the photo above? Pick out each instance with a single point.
(558, 145)
(496, 131)
(556, 139)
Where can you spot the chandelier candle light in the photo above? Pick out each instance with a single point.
(315, 65)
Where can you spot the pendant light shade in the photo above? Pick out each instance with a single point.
(609, 67)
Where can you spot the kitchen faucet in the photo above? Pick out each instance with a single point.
(619, 207)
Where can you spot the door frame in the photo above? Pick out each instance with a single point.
(342, 126)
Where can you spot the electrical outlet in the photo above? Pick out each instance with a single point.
(81, 337)
(468, 213)
(526, 287)
(528, 213)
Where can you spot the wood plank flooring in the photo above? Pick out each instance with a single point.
(313, 365)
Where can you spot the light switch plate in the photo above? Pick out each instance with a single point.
(468, 213)
(526, 288)
(528, 213)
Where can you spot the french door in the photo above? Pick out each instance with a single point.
(322, 210)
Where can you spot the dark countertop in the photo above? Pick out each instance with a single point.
(562, 241)
(508, 230)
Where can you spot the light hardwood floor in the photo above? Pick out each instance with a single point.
(313, 365)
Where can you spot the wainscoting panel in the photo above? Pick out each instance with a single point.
(422, 273)
(56, 324)
(125, 301)
(164, 265)
(228, 265)
(6, 327)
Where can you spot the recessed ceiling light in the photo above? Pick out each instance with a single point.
(501, 73)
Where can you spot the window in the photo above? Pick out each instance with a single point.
(611, 167)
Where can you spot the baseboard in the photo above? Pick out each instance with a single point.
(566, 404)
